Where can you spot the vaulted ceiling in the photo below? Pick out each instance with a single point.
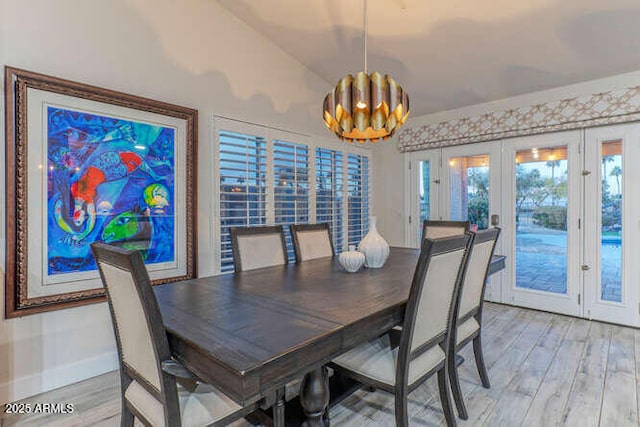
(452, 53)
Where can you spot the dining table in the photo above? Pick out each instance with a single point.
(250, 333)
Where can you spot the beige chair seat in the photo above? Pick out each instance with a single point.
(204, 406)
(466, 329)
(377, 360)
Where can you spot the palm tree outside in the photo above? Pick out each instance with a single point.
(605, 160)
(553, 164)
(617, 172)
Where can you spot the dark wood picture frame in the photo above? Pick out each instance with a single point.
(17, 84)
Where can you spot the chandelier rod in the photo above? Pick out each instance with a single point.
(365, 25)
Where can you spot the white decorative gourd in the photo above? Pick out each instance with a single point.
(352, 260)
(374, 247)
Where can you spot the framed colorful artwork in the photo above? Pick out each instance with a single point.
(86, 164)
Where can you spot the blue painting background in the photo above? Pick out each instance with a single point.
(109, 180)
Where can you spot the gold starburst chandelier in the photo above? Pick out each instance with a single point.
(367, 106)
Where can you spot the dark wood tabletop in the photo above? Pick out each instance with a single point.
(252, 332)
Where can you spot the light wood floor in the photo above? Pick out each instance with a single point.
(545, 370)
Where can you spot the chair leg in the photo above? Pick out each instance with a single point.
(402, 417)
(126, 417)
(278, 408)
(482, 369)
(445, 399)
(456, 390)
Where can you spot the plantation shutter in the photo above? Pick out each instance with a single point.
(290, 187)
(243, 187)
(357, 197)
(329, 193)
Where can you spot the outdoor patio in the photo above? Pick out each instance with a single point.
(541, 262)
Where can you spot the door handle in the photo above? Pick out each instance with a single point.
(495, 220)
(585, 267)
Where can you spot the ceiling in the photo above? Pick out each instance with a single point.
(452, 53)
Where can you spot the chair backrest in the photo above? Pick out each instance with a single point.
(473, 287)
(311, 241)
(258, 247)
(439, 229)
(140, 334)
(432, 308)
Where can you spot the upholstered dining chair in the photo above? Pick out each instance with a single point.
(470, 313)
(151, 381)
(438, 229)
(258, 247)
(311, 241)
(429, 324)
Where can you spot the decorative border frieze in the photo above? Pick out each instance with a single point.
(616, 106)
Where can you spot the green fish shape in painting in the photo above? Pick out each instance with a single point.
(129, 230)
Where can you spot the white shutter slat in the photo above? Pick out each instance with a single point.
(329, 193)
(242, 168)
(358, 197)
(291, 187)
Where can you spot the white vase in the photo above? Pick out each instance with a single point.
(352, 260)
(374, 247)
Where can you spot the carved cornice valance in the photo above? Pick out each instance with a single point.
(616, 106)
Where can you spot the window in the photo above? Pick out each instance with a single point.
(290, 187)
(243, 179)
(329, 193)
(268, 176)
(357, 197)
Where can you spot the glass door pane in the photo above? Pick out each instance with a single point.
(541, 204)
(425, 189)
(424, 172)
(424, 192)
(611, 222)
(469, 190)
(612, 227)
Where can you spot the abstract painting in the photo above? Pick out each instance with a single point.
(109, 180)
(86, 164)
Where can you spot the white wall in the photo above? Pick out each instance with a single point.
(388, 182)
(192, 53)
(391, 190)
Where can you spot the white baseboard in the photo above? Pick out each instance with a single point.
(60, 376)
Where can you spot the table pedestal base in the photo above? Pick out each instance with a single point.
(314, 396)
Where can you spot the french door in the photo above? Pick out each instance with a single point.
(470, 190)
(424, 178)
(542, 239)
(611, 271)
(568, 204)
(456, 183)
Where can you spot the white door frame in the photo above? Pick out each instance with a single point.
(625, 312)
(548, 301)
